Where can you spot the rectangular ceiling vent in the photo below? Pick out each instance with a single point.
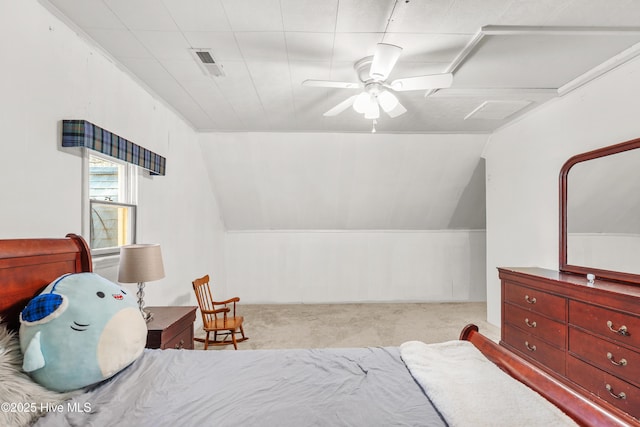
(497, 110)
(207, 63)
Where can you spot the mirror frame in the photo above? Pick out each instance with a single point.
(617, 276)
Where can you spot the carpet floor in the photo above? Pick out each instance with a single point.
(355, 325)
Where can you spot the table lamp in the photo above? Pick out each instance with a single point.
(139, 264)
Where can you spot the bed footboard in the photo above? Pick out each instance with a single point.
(575, 405)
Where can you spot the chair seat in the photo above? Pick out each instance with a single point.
(231, 324)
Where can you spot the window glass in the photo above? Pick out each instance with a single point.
(112, 204)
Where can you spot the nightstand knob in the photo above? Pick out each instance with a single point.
(180, 345)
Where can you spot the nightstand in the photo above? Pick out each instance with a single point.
(171, 327)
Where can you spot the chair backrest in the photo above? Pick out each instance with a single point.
(205, 300)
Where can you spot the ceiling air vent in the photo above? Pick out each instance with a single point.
(207, 63)
(497, 110)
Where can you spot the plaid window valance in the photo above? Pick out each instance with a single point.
(81, 133)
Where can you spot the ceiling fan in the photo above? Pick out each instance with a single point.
(373, 72)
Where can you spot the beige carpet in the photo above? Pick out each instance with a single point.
(356, 325)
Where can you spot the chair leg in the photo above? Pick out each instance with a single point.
(233, 338)
(206, 341)
(242, 333)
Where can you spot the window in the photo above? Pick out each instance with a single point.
(112, 198)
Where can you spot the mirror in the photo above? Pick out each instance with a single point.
(600, 213)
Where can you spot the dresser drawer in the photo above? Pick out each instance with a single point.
(617, 326)
(535, 348)
(616, 360)
(537, 325)
(536, 301)
(605, 386)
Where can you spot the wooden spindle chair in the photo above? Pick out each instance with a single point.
(218, 317)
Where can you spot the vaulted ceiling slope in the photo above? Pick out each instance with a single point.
(347, 181)
(503, 63)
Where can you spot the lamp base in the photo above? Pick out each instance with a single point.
(146, 315)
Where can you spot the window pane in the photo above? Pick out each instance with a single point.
(112, 225)
(112, 204)
(105, 179)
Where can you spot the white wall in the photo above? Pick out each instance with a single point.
(356, 266)
(324, 218)
(523, 166)
(48, 74)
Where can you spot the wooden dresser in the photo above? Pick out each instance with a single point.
(171, 327)
(588, 336)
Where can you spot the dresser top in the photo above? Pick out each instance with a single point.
(578, 280)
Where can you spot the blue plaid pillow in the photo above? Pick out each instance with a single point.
(40, 307)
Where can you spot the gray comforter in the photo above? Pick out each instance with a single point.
(322, 387)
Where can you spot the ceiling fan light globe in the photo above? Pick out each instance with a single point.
(373, 112)
(387, 100)
(362, 102)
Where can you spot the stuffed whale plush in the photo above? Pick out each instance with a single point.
(81, 329)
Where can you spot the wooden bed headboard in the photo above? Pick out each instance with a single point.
(28, 265)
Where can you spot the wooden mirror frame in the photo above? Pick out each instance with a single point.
(617, 276)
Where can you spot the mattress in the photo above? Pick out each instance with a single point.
(306, 387)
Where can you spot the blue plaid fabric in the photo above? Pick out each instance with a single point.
(81, 133)
(41, 306)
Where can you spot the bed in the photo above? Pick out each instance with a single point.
(413, 385)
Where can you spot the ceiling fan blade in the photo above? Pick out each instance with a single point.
(341, 107)
(384, 60)
(329, 83)
(431, 81)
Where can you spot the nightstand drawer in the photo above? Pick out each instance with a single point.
(184, 340)
(171, 327)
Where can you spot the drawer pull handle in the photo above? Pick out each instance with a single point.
(622, 330)
(620, 395)
(530, 300)
(622, 362)
(529, 347)
(180, 345)
(530, 324)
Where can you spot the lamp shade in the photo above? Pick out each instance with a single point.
(140, 263)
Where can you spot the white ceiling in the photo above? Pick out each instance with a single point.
(507, 57)
(268, 47)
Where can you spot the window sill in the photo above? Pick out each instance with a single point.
(105, 261)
